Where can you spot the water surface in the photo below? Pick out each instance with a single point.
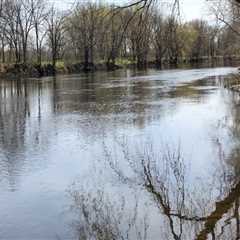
(58, 131)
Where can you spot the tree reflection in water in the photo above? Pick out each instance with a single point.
(187, 214)
(99, 217)
(200, 210)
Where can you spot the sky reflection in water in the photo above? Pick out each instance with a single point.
(54, 132)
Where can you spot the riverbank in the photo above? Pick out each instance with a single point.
(233, 82)
(34, 70)
(44, 70)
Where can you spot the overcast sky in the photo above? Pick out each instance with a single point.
(191, 9)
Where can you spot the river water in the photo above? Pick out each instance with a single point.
(76, 153)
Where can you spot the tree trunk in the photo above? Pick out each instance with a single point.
(86, 59)
(3, 51)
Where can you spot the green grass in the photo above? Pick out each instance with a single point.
(124, 61)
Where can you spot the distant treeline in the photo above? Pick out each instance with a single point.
(32, 32)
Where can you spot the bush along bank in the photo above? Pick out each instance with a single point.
(26, 70)
(35, 70)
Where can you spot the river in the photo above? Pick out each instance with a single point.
(80, 141)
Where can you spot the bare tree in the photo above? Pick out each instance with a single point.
(83, 26)
(24, 11)
(40, 14)
(159, 37)
(55, 34)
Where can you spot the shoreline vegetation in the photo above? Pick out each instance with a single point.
(18, 70)
(38, 39)
(233, 83)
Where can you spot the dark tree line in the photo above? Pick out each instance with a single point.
(92, 33)
(27, 29)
